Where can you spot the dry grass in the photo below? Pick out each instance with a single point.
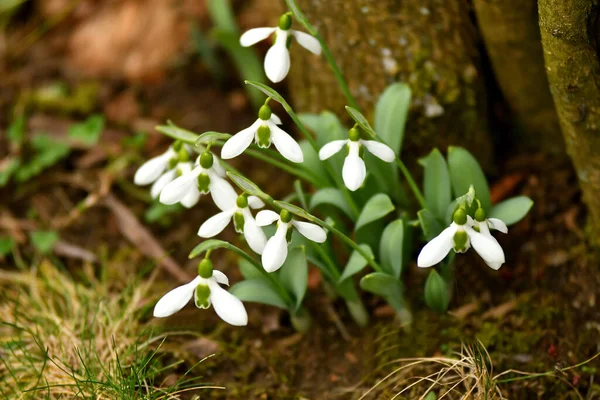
(65, 339)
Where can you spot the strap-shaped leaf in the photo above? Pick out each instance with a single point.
(437, 292)
(466, 171)
(177, 133)
(257, 291)
(436, 184)
(429, 224)
(391, 112)
(393, 247)
(331, 196)
(294, 274)
(512, 210)
(376, 208)
(357, 262)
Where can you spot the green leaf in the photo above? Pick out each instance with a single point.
(356, 263)
(249, 271)
(391, 112)
(8, 168)
(47, 153)
(210, 137)
(294, 274)
(313, 164)
(297, 211)
(221, 15)
(438, 194)
(429, 224)
(437, 292)
(15, 133)
(464, 172)
(272, 93)
(392, 247)
(210, 244)
(44, 241)
(331, 196)
(298, 15)
(89, 131)
(512, 210)
(361, 120)
(158, 212)
(381, 284)
(376, 208)
(326, 127)
(6, 245)
(247, 186)
(177, 133)
(257, 291)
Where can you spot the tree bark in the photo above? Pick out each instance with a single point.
(429, 44)
(569, 36)
(512, 39)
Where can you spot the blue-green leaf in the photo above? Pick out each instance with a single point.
(391, 112)
(466, 171)
(376, 208)
(247, 186)
(249, 271)
(429, 224)
(326, 127)
(437, 292)
(257, 291)
(512, 210)
(313, 164)
(392, 250)
(177, 133)
(331, 196)
(210, 137)
(357, 262)
(381, 284)
(361, 120)
(294, 274)
(436, 184)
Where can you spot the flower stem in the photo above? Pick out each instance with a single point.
(301, 18)
(411, 183)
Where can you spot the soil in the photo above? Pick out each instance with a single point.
(538, 313)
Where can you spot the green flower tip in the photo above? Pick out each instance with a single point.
(285, 216)
(205, 268)
(264, 113)
(285, 22)
(354, 134)
(242, 201)
(460, 217)
(206, 160)
(480, 215)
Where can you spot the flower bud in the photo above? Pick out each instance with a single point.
(285, 22)
(205, 268)
(206, 160)
(264, 113)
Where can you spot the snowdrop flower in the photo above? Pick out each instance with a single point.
(276, 249)
(277, 60)
(206, 291)
(153, 169)
(263, 131)
(243, 222)
(460, 236)
(205, 177)
(354, 170)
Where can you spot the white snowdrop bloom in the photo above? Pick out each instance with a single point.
(204, 177)
(276, 249)
(460, 236)
(243, 221)
(206, 290)
(263, 131)
(277, 60)
(354, 171)
(154, 169)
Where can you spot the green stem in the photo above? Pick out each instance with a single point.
(411, 182)
(339, 76)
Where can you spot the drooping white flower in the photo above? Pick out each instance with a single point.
(155, 168)
(205, 177)
(243, 222)
(276, 249)
(277, 60)
(460, 235)
(206, 291)
(263, 131)
(354, 171)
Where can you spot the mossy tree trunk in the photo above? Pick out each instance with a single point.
(569, 31)
(430, 44)
(512, 39)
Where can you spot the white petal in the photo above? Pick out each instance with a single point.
(228, 307)
(239, 142)
(307, 41)
(253, 233)
(486, 246)
(222, 192)
(497, 224)
(379, 150)
(255, 202)
(176, 299)
(437, 248)
(311, 231)
(215, 224)
(285, 144)
(266, 217)
(276, 250)
(354, 172)
(220, 277)
(218, 168)
(149, 171)
(191, 199)
(331, 148)
(275, 119)
(277, 60)
(255, 35)
(179, 188)
(161, 182)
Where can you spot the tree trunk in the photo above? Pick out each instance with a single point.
(429, 44)
(512, 37)
(569, 32)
